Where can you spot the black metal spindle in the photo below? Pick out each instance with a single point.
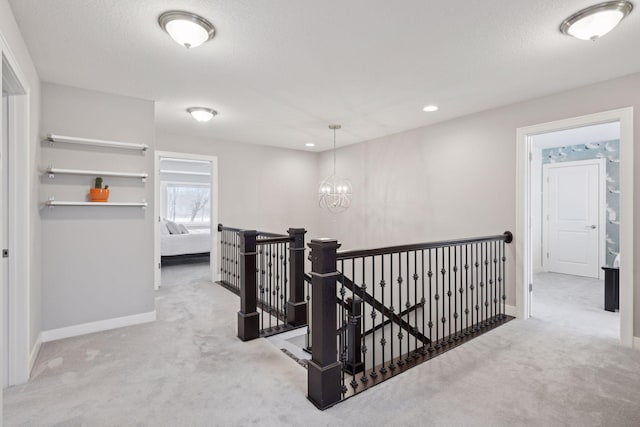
(392, 365)
(437, 297)
(400, 334)
(383, 341)
(503, 296)
(343, 328)
(455, 293)
(415, 298)
(449, 315)
(373, 373)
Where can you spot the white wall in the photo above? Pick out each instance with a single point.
(259, 187)
(457, 178)
(27, 154)
(97, 261)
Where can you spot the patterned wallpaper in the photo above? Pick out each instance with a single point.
(609, 150)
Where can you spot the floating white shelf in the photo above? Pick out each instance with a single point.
(52, 171)
(97, 142)
(52, 203)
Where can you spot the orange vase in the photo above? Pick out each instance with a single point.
(99, 194)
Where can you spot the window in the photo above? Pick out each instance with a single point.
(186, 203)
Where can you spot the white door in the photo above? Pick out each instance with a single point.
(574, 200)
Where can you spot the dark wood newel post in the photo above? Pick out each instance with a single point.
(248, 318)
(296, 306)
(324, 370)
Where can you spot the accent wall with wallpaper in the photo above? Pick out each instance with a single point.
(609, 150)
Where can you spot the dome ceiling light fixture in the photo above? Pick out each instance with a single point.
(597, 20)
(335, 192)
(430, 108)
(202, 114)
(187, 29)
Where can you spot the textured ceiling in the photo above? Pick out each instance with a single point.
(280, 71)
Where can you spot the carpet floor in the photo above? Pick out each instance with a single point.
(189, 369)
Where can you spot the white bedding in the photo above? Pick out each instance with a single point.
(196, 242)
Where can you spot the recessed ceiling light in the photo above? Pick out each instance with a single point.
(430, 108)
(597, 20)
(202, 114)
(310, 144)
(187, 29)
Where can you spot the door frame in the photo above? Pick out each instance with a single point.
(213, 259)
(22, 355)
(602, 208)
(523, 240)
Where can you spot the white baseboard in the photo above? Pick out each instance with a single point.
(636, 343)
(99, 326)
(34, 352)
(510, 310)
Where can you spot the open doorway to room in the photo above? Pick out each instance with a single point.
(575, 211)
(16, 358)
(575, 222)
(186, 212)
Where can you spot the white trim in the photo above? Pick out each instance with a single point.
(98, 326)
(20, 248)
(510, 310)
(35, 351)
(602, 208)
(523, 221)
(636, 343)
(186, 157)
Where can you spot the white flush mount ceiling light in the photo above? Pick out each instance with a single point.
(430, 108)
(309, 144)
(188, 29)
(202, 114)
(335, 192)
(597, 20)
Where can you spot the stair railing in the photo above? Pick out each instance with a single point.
(267, 271)
(378, 312)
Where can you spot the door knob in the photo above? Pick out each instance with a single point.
(593, 227)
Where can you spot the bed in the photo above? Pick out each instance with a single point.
(196, 242)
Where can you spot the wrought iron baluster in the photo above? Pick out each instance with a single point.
(504, 281)
(477, 286)
(437, 297)
(423, 301)
(430, 324)
(392, 365)
(383, 341)
(444, 283)
(455, 293)
(486, 286)
(494, 300)
(354, 322)
(415, 297)
(343, 329)
(373, 373)
(466, 285)
(363, 344)
(450, 338)
(400, 333)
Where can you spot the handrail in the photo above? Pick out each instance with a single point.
(272, 240)
(260, 233)
(507, 236)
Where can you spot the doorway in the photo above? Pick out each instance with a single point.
(16, 355)
(581, 218)
(186, 212)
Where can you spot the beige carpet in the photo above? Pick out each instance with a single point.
(188, 369)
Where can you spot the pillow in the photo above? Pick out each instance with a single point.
(183, 229)
(173, 227)
(164, 231)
